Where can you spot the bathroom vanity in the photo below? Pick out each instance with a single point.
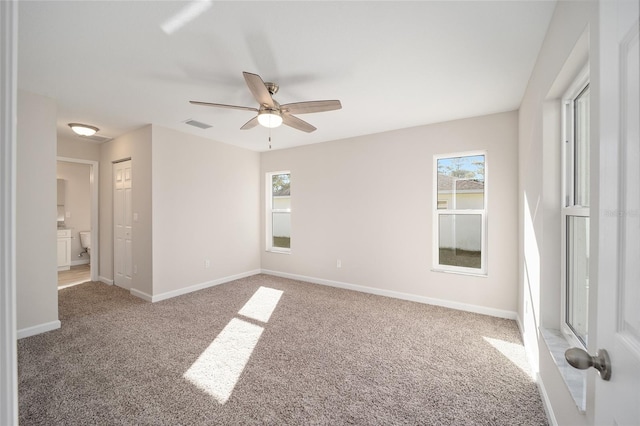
(64, 249)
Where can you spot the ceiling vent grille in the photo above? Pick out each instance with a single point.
(97, 138)
(198, 124)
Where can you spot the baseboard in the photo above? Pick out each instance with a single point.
(399, 295)
(190, 289)
(546, 402)
(38, 329)
(141, 294)
(520, 326)
(80, 262)
(107, 281)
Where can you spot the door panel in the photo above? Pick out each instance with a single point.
(122, 224)
(618, 313)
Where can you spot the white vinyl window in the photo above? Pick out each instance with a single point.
(460, 213)
(575, 211)
(278, 214)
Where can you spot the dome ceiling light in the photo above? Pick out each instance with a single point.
(83, 129)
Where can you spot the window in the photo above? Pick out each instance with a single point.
(575, 211)
(460, 213)
(278, 211)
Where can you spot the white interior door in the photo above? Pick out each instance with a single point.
(122, 221)
(617, 402)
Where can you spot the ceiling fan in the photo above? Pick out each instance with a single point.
(270, 112)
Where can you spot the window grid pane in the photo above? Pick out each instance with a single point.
(581, 149)
(281, 227)
(460, 240)
(577, 277)
(461, 182)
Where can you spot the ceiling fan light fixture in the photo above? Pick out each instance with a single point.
(270, 118)
(83, 129)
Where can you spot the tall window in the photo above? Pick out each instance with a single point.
(278, 211)
(575, 211)
(460, 213)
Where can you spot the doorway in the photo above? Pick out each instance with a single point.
(78, 213)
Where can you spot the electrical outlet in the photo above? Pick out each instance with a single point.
(207, 263)
(67, 215)
(338, 263)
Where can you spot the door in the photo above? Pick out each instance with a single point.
(617, 315)
(122, 221)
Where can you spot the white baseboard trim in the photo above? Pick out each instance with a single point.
(520, 327)
(79, 262)
(179, 292)
(399, 295)
(38, 329)
(546, 402)
(107, 281)
(141, 294)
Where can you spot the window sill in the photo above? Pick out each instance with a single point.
(278, 251)
(574, 379)
(472, 274)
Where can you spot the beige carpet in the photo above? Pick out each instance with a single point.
(323, 356)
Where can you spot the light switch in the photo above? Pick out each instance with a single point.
(67, 215)
(135, 216)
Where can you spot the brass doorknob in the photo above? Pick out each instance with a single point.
(580, 359)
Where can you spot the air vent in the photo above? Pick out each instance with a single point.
(97, 138)
(198, 124)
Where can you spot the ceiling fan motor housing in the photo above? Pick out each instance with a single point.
(272, 87)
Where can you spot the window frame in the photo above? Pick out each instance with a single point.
(269, 211)
(568, 194)
(438, 212)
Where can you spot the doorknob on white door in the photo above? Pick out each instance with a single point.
(580, 359)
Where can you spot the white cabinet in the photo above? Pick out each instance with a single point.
(64, 249)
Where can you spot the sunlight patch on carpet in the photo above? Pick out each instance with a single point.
(218, 368)
(261, 305)
(513, 352)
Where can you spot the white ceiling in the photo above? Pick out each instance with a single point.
(392, 64)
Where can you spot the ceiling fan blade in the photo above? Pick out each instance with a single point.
(310, 106)
(224, 106)
(296, 123)
(250, 124)
(258, 89)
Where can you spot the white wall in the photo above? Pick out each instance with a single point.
(74, 147)
(137, 146)
(539, 199)
(77, 204)
(36, 259)
(368, 202)
(205, 207)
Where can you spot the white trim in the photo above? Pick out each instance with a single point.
(546, 402)
(141, 294)
(191, 289)
(269, 210)
(106, 281)
(80, 262)
(8, 115)
(484, 310)
(567, 206)
(484, 245)
(94, 184)
(38, 329)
